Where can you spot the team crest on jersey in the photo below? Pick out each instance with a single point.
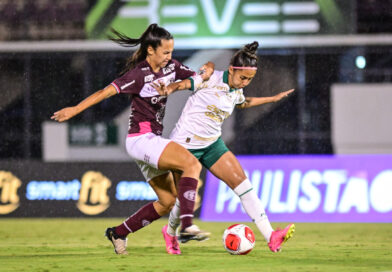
(149, 78)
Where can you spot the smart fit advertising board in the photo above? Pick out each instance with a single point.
(37, 189)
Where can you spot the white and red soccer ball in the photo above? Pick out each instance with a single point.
(238, 239)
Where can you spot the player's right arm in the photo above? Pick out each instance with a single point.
(205, 73)
(69, 112)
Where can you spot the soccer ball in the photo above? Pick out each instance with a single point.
(238, 239)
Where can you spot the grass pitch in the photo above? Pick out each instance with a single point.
(79, 245)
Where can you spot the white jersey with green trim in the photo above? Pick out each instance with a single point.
(201, 120)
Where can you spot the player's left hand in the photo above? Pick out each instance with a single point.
(282, 95)
(64, 114)
(161, 88)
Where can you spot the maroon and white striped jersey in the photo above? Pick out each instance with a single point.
(147, 106)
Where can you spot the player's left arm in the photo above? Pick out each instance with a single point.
(257, 101)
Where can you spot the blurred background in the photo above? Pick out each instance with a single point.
(336, 54)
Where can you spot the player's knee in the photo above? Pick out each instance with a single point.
(235, 180)
(193, 165)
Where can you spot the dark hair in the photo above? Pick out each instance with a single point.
(246, 56)
(151, 37)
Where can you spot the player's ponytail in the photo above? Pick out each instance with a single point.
(246, 57)
(151, 37)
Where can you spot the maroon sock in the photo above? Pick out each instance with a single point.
(143, 217)
(187, 195)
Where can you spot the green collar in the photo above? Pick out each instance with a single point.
(226, 80)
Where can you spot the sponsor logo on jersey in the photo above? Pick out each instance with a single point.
(146, 69)
(128, 84)
(166, 70)
(149, 78)
(148, 91)
(156, 99)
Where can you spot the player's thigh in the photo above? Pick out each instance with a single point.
(229, 170)
(176, 157)
(147, 148)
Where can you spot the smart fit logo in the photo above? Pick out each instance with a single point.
(9, 199)
(93, 198)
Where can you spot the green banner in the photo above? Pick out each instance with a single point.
(223, 18)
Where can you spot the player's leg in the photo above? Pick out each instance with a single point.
(174, 216)
(169, 231)
(163, 154)
(146, 149)
(228, 169)
(176, 157)
(164, 188)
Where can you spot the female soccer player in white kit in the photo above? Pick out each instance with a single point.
(199, 130)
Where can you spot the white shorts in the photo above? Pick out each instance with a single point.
(146, 149)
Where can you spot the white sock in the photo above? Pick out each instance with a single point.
(174, 219)
(253, 208)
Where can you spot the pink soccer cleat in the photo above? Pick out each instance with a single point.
(278, 237)
(172, 246)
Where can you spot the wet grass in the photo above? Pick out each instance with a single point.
(79, 245)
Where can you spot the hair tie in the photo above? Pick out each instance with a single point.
(244, 67)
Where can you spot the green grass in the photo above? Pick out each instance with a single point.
(79, 245)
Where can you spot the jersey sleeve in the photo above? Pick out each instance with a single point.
(182, 71)
(128, 83)
(197, 82)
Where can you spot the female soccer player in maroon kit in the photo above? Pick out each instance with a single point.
(151, 64)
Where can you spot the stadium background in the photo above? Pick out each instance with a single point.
(336, 54)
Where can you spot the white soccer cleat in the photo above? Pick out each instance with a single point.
(119, 243)
(193, 233)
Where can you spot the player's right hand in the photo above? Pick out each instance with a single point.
(64, 114)
(206, 71)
